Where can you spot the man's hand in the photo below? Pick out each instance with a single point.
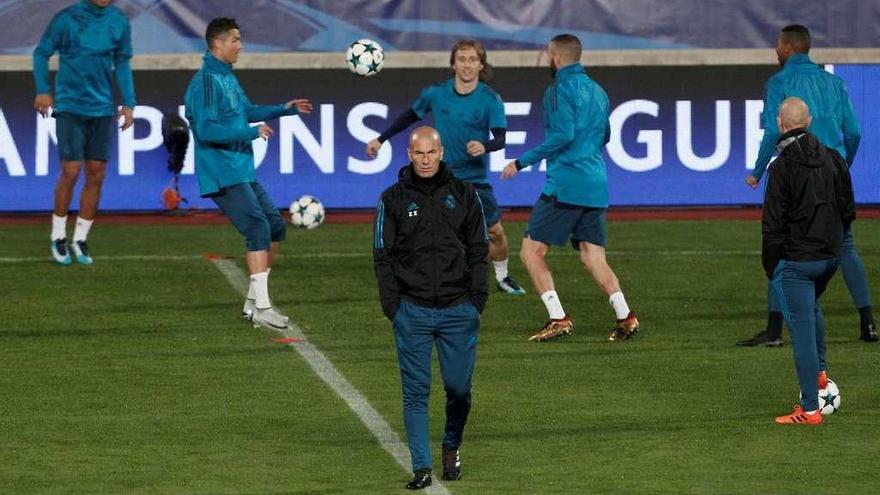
(373, 148)
(752, 181)
(42, 103)
(302, 105)
(509, 170)
(265, 132)
(476, 148)
(127, 115)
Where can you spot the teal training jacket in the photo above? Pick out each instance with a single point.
(92, 43)
(830, 106)
(219, 112)
(576, 129)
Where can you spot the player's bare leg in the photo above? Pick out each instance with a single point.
(91, 193)
(88, 209)
(63, 194)
(64, 187)
(594, 261)
(498, 253)
(533, 254)
(498, 249)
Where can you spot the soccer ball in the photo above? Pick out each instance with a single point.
(365, 57)
(306, 212)
(829, 398)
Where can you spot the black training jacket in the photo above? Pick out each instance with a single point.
(430, 243)
(808, 203)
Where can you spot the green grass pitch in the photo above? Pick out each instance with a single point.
(137, 376)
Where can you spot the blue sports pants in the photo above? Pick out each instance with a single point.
(798, 286)
(416, 330)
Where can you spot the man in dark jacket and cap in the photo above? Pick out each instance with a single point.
(430, 252)
(808, 204)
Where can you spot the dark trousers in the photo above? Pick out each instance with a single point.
(416, 330)
(798, 285)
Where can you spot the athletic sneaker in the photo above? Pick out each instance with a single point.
(81, 250)
(823, 379)
(552, 329)
(60, 253)
(510, 286)
(421, 479)
(451, 464)
(799, 417)
(761, 339)
(625, 328)
(247, 312)
(869, 333)
(270, 317)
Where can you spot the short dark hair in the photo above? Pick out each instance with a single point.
(569, 45)
(217, 28)
(486, 73)
(796, 36)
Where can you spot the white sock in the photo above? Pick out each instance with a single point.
(59, 227)
(260, 283)
(554, 306)
(252, 290)
(500, 269)
(252, 287)
(82, 229)
(618, 302)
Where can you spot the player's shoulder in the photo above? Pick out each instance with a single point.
(66, 13)
(440, 85)
(118, 14)
(838, 81)
(488, 91)
(199, 77)
(70, 9)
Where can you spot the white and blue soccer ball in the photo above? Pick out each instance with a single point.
(829, 398)
(307, 212)
(365, 57)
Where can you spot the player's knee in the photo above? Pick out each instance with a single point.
(415, 396)
(458, 390)
(592, 258)
(530, 255)
(525, 257)
(277, 229)
(68, 178)
(588, 260)
(95, 178)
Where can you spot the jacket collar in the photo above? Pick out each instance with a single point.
(214, 64)
(569, 70)
(798, 59)
(789, 137)
(408, 175)
(93, 9)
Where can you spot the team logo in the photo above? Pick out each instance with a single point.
(450, 202)
(412, 210)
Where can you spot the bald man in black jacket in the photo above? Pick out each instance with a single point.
(808, 204)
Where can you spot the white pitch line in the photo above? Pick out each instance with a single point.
(368, 253)
(321, 365)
